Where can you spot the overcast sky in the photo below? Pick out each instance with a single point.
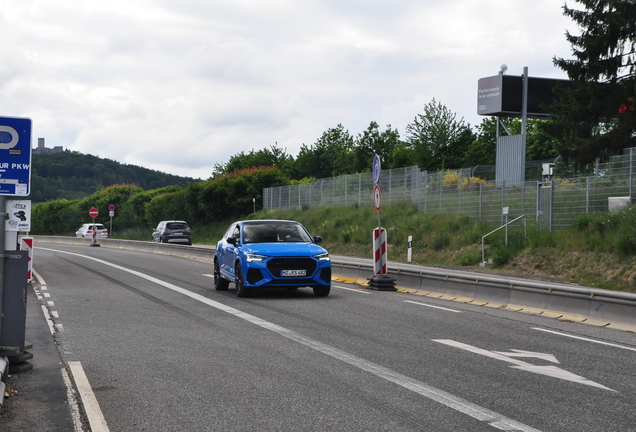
(181, 85)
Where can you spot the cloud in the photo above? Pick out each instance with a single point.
(183, 85)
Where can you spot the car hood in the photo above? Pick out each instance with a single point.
(284, 249)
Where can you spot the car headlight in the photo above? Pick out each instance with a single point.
(323, 257)
(254, 257)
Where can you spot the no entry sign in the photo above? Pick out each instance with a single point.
(93, 212)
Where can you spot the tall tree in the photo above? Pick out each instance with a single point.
(597, 118)
(371, 142)
(331, 155)
(272, 156)
(438, 139)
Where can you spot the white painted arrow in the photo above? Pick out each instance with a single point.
(551, 371)
(529, 354)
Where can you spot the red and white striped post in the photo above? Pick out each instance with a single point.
(26, 244)
(380, 280)
(379, 251)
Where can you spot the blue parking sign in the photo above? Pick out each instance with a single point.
(15, 156)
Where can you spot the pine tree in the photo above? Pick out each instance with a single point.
(597, 119)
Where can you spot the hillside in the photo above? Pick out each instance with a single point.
(74, 175)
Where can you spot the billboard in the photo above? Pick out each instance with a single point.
(501, 95)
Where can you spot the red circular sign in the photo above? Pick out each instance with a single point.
(377, 199)
(93, 212)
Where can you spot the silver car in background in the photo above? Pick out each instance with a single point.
(86, 231)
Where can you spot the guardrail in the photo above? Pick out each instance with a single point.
(579, 303)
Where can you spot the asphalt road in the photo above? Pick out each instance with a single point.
(163, 351)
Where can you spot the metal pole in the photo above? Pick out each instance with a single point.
(524, 121)
(3, 216)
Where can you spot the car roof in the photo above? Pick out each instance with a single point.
(267, 220)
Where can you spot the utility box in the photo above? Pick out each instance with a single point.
(14, 298)
(614, 204)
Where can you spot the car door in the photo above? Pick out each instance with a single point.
(225, 254)
(156, 232)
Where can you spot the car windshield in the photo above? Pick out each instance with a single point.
(269, 232)
(176, 225)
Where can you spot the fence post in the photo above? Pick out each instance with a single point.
(630, 173)
(587, 195)
(460, 193)
(441, 185)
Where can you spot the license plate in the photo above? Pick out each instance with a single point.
(302, 272)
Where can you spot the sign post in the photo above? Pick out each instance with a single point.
(380, 281)
(15, 175)
(111, 214)
(93, 212)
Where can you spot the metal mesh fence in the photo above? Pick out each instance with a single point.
(552, 202)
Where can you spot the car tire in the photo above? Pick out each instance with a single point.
(162, 240)
(220, 284)
(322, 290)
(241, 289)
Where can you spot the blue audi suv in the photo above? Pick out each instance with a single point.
(259, 254)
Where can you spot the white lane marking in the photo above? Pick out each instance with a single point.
(358, 290)
(208, 275)
(431, 306)
(40, 278)
(45, 311)
(55, 314)
(585, 339)
(50, 303)
(91, 407)
(46, 295)
(70, 396)
(551, 371)
(477, 412)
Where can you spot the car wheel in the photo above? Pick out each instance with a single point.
(241, 289)
(322, 290)
(220, 284)
(162, 240)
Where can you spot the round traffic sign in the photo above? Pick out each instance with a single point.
(111, 207)
(376, 169)
(377, 199)
(93, 212)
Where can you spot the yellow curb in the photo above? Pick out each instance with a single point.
(516, 308)
(435, 294)
(479, 302)
(344, 279)
(463, 299)
(552, 314)
(622, 326)
(420, 292)
(573, 317)
(596, 322)
(362, 281)
(531, 310)
(495, 305)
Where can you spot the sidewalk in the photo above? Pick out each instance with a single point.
(37, 398)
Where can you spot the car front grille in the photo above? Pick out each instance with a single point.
(277, 264)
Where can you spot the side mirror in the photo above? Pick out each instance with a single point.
(232, 240)
(317, 239)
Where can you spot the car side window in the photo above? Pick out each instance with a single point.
(237, 233)
(229, 232)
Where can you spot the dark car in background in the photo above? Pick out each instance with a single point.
(260, 254)
(172, 231)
